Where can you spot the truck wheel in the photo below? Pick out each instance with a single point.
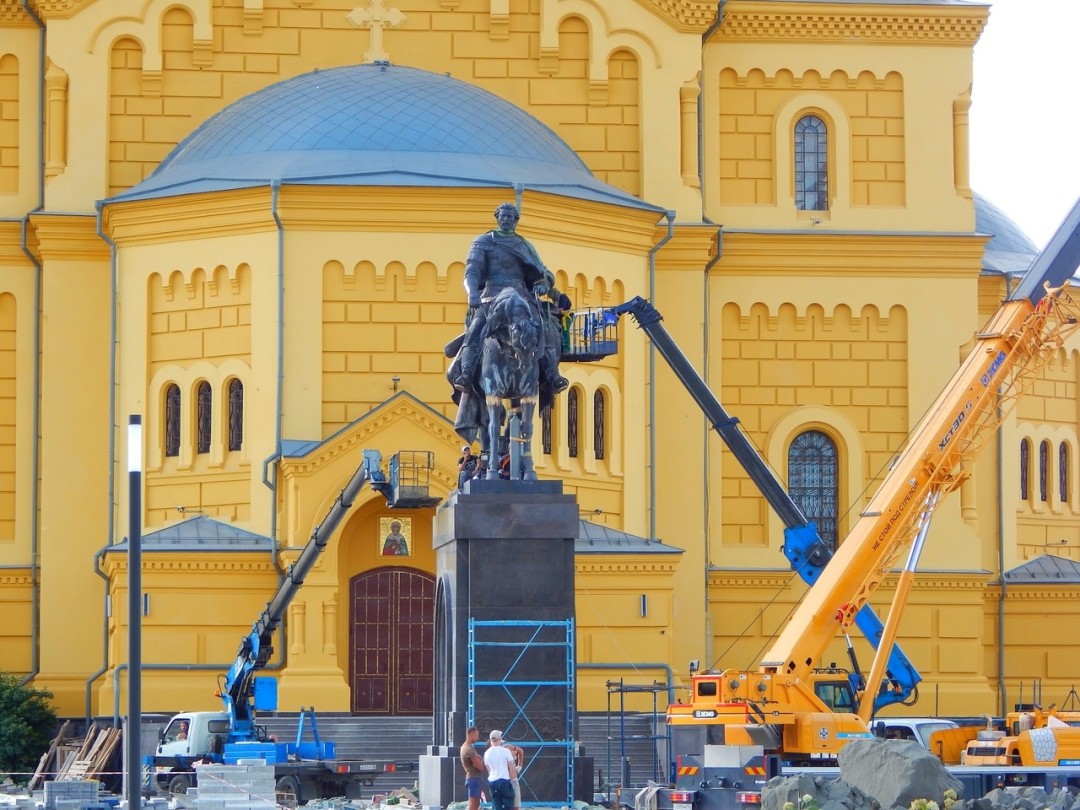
(179, 784)
(288, 791)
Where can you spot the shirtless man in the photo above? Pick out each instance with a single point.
(474, 767)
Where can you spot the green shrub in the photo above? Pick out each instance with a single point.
(27, 724)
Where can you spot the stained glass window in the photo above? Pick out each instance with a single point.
(1063, 472)
(236, 414)
(811, 164)
(1044, 478)
(1025, 468)
(813, 481)
(572, 422)
(545, 430)
(599, 410)
(172, 420)
(204, 400)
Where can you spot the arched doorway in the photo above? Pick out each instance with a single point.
(391, 638)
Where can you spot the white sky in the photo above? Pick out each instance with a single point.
(1025, 112)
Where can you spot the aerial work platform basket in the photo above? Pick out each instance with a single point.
(409, 480)
(591, 335)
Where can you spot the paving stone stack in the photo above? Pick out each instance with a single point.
(236, 787)
(71, 795)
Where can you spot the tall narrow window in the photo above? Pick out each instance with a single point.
(545, 430)
(572, 422)
(599, 414)
(813, 481)
(172, 420)
(236, 414)
(204, 398)
(1063, 472)
(811, 164)
(1025, 468)
(1044, 478)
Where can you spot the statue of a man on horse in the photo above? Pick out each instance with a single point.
(504, 352)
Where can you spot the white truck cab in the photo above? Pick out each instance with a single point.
(918, 729)
(194, 734)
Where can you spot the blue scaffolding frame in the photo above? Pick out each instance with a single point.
(522, 691)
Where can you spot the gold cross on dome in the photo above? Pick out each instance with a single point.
(375, 18)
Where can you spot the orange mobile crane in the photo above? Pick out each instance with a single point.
(776, 705)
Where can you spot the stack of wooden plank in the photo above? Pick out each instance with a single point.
(70, 757)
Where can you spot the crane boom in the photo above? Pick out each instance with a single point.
(804, 548)
(1018, 341)
(257, 646)
(1029, 328)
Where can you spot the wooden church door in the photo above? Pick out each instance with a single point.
(392, 639)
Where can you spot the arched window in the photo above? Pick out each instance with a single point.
(236, 414)
(1044, 477)
(1063, 472)
(545, 430)
(599, 413)
(1025, 468)
(813, 481)
(572, 422)
(172, 421)
(811, 164)
(204, 399)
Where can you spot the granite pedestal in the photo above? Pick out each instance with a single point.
(504, 554)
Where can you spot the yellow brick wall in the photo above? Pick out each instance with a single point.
(1037, 620)
(776, 359)
(619, 163)
(942, 631)
(1047, 416)
(199, 329)
(17, 609)
(370, 334)
(611, 630)
(7, 417)
(753, 105)
(9, 123)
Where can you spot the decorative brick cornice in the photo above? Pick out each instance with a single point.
(13, 11)
(245, 562)
(15, 577)
(1032, 592)
(601, 564)
(71, 236)
(770, 21)
(688, 15)
(728, 578)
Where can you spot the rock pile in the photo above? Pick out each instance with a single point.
(886, 774)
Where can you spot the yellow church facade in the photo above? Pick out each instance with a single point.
(246, 222)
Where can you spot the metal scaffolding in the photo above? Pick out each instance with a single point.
(659, 771)
(503, 659)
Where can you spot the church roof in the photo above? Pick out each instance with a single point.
(1045, 570)
(595, 538)
(200, 533)
(374, 125)
(1010, 251)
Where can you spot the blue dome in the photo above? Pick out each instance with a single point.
(1009, 250)
(374, 124)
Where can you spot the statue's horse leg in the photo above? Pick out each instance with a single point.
(528, 409)
(496, 416)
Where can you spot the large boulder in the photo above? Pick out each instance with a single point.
(895, 772)
(823, 793)
(875, 775)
